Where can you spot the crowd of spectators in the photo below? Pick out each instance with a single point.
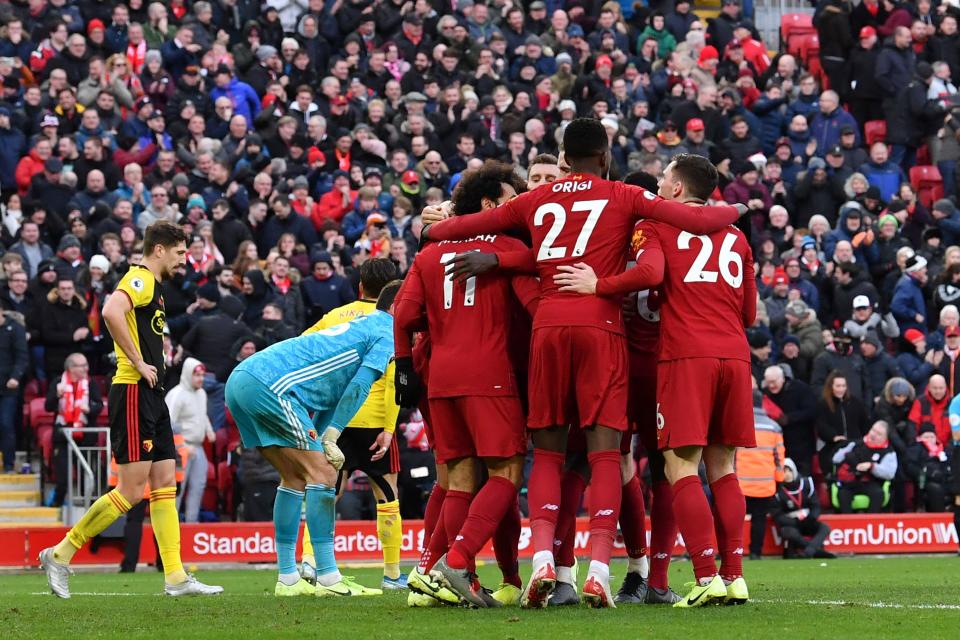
(297, 138)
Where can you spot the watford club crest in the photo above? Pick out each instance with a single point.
(313, 434)
(148, 445)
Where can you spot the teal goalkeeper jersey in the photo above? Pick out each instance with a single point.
(316, 368)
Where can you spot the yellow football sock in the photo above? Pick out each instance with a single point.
(98, 517)
(390, 531)
(307, 555)
(166, 528)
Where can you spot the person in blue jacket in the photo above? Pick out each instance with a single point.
(826, 125)
(849, 227)
(908, 305)
(882, 173)
(244, 98)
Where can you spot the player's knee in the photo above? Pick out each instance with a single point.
(132, 494)
(552, 439)
(382, 489)
(461, 475)
(603, 439)
(510, 468)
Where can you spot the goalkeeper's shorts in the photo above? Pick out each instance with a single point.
(266, 419)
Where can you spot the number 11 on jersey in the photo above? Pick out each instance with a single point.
(471, 285)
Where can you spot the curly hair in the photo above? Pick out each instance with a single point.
(485, 182)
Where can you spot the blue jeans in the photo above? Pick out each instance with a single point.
(948, 169)
(8, 430)
(216, 406)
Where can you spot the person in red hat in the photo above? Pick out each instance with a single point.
(706, 70)
(866, 95)
(696, 141)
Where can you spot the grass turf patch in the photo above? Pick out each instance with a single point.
(895, 597)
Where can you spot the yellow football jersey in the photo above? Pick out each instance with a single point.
(380, 410)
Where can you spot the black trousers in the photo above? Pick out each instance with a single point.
(847, 491)
(798, 533)
(757, 508)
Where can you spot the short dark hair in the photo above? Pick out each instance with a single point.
(375, 274)
(642, 179)
(484, 182)
(545, 158)
(388, 295)
(697, 174)
(163, 234)
(585, 137)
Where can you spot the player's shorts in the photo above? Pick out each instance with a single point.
(578, 377)
(642, 407)
(355, 444)
(140, 428)
(477, 426)
(704, 401)
(266, 419)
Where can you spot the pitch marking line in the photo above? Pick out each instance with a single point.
(818, 603)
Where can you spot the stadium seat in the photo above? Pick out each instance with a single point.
(795, 24)
(923, 155)
(860, 502)
(33, 389)
(928, 183)
(39, 416)
(875, 131)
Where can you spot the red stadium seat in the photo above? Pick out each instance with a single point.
(39, 416)
(810, 50)
(31, 390)
(923, 154)
(875, 131)
(795, 24)
(928, 183)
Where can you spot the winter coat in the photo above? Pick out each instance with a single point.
(12, 145)
(848, 418)
(852, 366)
(866, 254)
(908, 302)
(210, 339)
(14, 357)
(809, 332)
(812, 199)
(292, 303)
(799, 407)
(825, 129)
(58, 322)
(913, 116)
(861, 64)
(321, 296)
(887, 177)
(938, 413)
(879, 369)
(188, 407)
(772, 113)
(894, 69)
(245, 100)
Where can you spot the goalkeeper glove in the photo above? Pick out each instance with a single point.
(407, 383)
(330, 449)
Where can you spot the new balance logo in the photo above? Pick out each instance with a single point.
(707, 553)
(603, 512)
(738, 551)
(459, 538)
(661, 556)
(551, 507)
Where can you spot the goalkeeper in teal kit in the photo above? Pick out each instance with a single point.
(272, 395)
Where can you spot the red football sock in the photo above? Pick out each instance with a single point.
(572, 489)
(438, 544)
(486, 511)
(693, 514)
(633, 517)
(663, 534)
(731, 511)
(604, 500)
(543, 497)
(506, 544)
(432, 512)
(456, 506)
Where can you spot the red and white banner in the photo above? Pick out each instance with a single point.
(356, 541)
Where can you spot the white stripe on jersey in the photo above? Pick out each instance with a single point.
(284, 383)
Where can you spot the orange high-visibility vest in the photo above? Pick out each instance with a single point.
(183, 453)
(759, 469)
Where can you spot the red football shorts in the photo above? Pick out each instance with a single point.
(477, 426)
(578, 377)
(704, 401)
(642, 406)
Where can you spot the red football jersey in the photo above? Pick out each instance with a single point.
(469, 323)
(708, 293)
(581, 218)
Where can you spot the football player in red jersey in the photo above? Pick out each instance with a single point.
(475, 416)
(578, 362)
(709, 296)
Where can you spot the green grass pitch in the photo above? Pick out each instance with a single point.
(894, 597)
